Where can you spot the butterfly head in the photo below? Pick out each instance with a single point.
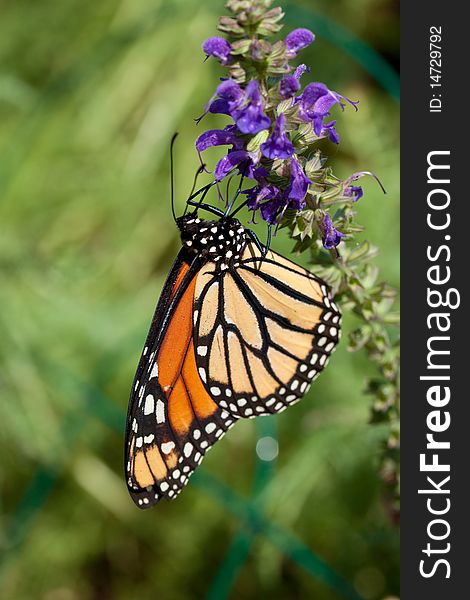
(221, 241)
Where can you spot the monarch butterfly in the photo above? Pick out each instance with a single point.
(239, 332)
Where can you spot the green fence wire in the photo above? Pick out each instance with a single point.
(249, 511)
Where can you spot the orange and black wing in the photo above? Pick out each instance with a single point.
(172, 420)
(264, 332)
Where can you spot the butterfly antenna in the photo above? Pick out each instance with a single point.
(196, 176)
(172, 176)
(237, 193)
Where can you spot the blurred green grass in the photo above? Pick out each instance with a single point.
(90, 94)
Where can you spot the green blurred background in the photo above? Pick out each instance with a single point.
(90, 94)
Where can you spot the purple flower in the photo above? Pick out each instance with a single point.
(298, 186)
(300, 71)
(298, 39)
(328, 130)
(331, 237)
(217, 137)
(316, 102)
(219, 48)
(252, 119)
(278, 145)
(268, 199)
(230, 98)
(288, 86)
(354, 191)
(273, 210)
(232, 160)
(259, 193)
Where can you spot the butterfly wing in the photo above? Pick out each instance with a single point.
(172, 420)
(264, 332)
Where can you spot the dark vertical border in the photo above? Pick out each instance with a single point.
(424, 132)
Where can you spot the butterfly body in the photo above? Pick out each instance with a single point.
(237, 333)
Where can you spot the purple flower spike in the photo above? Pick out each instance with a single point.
(297, 40)
(278, 145)
(331, 237)
(229, 162)
(252, 119)
(298, 186)
(219, 48)
(354, 191)
(216, 137)
(289, 86)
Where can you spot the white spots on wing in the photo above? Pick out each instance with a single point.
(148, 439)
(223, 404)
(271, 401)
(241, 401)
(154, 372)
(314, 358)
(303, 368)
(202, 374)
(248, 411)
(204, 444)
(198, 457)
(167, 447)
(327, 316)
(282, 391)
(333, 331)
(196, 434)
(195, 316)
(149, 405)
(139, 441)
(278, 406)
(146, 350)
(187, 450)
(303, 387)
(228, 392)
(176, 474)
(294, 385)
(134, 426)
(136, 385)
(186, 469)
(210, 427)
(324, 360)
(202, 350)
(329, 347)
(160, 412)
(321, 341)
(311, 374)
(321, 328)
(291, 398)
(336, 319)
(215, 391)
